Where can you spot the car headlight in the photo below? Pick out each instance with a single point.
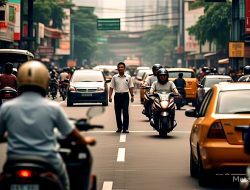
(100, 89)
(72, 89)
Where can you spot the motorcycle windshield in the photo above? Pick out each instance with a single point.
(164, 96)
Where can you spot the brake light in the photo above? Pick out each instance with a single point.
(24, 173)
(216, 131)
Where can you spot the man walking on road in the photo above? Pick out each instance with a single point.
(123, 85)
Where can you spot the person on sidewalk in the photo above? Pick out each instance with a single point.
(123, 85)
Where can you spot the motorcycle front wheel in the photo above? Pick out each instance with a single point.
(164, 126)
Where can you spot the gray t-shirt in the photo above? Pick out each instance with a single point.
(30, 121)
(157, 87)
(151, 79)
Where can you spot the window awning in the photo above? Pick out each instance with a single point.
(52, 32)
(209, 54)
(223, 61)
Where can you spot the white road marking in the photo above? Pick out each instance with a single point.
(136, 105)
(107, 185)
(121, 155)
(123, 138)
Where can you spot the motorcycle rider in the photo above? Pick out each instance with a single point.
(180, 84)
(7, 78)
(246, 76)
(149, 82)
(163, 85)
(30, 121)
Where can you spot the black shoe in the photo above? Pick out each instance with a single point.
(125, 131)
(118, 130)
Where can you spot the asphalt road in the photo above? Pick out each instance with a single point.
(140, 160)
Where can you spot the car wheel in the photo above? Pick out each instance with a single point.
(105, 103)
(69, 103)
(203, 176)
(193, 166)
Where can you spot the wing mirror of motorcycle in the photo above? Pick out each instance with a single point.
(94, 111)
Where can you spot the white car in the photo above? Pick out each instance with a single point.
(208, 81)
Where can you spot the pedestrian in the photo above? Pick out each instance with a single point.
(123, 85)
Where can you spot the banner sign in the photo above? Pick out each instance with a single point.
(247, 17)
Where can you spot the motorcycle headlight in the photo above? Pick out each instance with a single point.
(100, 89)
(164, 104)
(72, 89)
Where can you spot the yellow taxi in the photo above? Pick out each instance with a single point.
(191, 82)
(215, 145)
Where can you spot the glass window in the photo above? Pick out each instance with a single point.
(233, 102)
(210, 82)
(205, 103)
(186, 74)
(87, 77)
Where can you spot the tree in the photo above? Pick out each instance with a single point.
(48, 12)
(157, 43)
(214, 26)
(84, 34)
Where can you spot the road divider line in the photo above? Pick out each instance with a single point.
(107, 185)
(121, 155)
(136, 105)
(123, 138)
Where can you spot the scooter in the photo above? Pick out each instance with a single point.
(34, 173)
(63, 87)
(148, 101)
(180, 100)
(7, 93)
(163, 109)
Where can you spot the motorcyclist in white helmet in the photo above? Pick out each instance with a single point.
(30, 121)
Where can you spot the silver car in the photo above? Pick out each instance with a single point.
(87, 86)
(208, 81)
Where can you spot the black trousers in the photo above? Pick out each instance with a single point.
(121, 102)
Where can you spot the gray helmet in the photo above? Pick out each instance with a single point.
(160, 72)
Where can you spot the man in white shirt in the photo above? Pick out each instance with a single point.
(123, 85)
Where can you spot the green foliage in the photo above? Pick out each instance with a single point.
(157, 43)
(47, 12)
(214, 26)
(84, 27)
(197, 4)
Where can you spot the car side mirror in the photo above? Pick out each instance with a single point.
(191, 113)
(139, 78)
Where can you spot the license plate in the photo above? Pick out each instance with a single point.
(24, 187)
(86, 94)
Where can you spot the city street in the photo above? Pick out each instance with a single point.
(141, 159)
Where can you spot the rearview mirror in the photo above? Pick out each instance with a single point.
(191, 113)
(94, 111)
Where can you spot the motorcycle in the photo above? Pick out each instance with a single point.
(245, 181)
(163, 109)
(53, 86)
(7, 93)
(63, 87)
(180, 100)
(35, 173)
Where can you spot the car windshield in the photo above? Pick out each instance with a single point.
(186, 74)
(210, 82)
(15, 59)
(87, 77)
(233, 102)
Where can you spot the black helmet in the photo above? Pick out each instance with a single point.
(160, 72)
(246, 70)
(155, 68)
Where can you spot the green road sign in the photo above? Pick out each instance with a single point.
(108, 24)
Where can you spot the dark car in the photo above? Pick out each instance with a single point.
(87, 86)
